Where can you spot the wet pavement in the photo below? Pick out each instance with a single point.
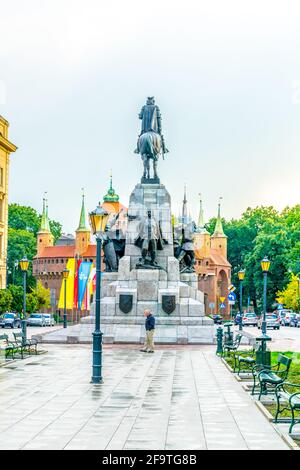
(177, 398)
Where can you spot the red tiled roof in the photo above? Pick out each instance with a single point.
(67, 251)
(113, 206)
(90, 252)
(215, 257)
(218, 259)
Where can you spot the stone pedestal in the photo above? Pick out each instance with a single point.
(172, 297)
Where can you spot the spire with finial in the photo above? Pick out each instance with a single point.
(45, 227)
(82, 221)
(219, 232)
(47, 217)
(184, 207)
(201, 216)
(201, 224)
(111, 195)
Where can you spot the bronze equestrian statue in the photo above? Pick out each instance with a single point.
(151, 141)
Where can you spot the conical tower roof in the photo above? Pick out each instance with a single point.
(82, 227)
(219, 232)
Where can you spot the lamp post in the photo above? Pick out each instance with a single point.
(98, 221)
(263, 355)
(24, 263)
(65, 274)
(241, 276)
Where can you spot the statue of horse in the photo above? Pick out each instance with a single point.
(149, 147)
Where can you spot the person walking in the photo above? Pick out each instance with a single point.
(150, 328)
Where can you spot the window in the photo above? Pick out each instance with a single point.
(1, 176)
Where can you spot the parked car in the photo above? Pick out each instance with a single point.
(49, 319)
(36, 319)
(249, 318)
(11, 320)
(295, 320)
(217, 319)
(272, 320)
(285, 321)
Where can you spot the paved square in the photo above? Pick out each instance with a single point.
(177, 398)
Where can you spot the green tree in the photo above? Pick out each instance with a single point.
(27, 218)
(42, 295)
(31, 303)
(263, 231)
(20, 243)
(275, 246)
(5, 300)
(290, 296)
(17, 297)
(24, 223)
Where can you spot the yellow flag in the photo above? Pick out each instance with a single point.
(70, 287)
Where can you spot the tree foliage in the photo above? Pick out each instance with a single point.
(42, 295)
(24, 223)
(5, 300)
(290, 296)
(263, 231)
(31, 303)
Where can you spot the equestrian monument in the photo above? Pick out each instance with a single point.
(151, 274)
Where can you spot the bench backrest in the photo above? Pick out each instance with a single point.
(285, 362)
(238, 338)
(3, 337)
(18, 335)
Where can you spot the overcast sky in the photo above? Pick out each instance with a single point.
(225, 74)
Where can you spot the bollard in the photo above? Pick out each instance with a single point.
(219, 340)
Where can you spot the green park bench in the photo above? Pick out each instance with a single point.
(270, 378)
(286, 393)
(25, 344)
(247, 361)
(232, 346)
(6, 347)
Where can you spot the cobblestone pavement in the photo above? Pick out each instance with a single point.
(177, 398)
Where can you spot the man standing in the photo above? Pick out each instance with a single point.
(150, 328)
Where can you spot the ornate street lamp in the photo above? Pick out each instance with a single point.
(24, 263)
(98, 221)
(241, 276)
(263, 355)
(65, 274)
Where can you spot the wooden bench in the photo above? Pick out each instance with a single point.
(286, 392)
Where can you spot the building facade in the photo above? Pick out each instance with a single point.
(51, 260)
(6, 148)
(212, 266)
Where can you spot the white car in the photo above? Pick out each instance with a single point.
(40, 319)
(48, 319)
(286, 319)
